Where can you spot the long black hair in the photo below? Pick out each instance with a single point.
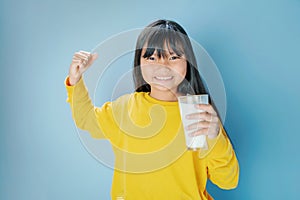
(154, 37)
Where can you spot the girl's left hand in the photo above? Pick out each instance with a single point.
(208, 121)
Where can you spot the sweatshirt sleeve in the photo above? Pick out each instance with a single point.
(221, 161)
(83, 111)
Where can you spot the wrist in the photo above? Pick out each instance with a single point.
(72, 81)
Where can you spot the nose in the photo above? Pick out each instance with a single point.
(163, 65)
(163, 61)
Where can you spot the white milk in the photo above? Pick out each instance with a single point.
(187, 106)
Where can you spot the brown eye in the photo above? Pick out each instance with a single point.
(174, 57)
(151, 58)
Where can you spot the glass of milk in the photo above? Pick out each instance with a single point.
(187, 106)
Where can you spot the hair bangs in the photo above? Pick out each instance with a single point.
(164, 42)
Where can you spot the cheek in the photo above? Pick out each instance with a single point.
(146, 73)
(181, 70)
(144, 70)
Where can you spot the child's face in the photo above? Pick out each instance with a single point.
(163, 73)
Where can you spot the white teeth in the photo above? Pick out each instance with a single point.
(163, 77)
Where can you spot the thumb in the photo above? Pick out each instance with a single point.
(94, 57)
(91, 60)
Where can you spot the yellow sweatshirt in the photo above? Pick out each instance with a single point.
(151, 159)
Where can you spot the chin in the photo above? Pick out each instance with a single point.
(163, 88)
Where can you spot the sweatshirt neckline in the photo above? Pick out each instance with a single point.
(157, 101)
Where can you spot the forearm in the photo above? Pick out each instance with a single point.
(222, 164)
(83, 111)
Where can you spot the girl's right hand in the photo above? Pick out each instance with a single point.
(80, 63)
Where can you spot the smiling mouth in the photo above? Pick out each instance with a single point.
(163, 78)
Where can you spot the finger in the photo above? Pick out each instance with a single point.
(76, 63)
(198, 132)
(87, 54)
(80, 60)
(94, 56)
(91, 59)
(84, 52)
(80, 55)
(203, 116)
(198, 125)
(210, 131)
(206, 107)
(76, 59)
(83, 60)
(212, 118)
(200, 116)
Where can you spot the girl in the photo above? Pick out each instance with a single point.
(144, 128)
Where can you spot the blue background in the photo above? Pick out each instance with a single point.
(255, 45)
